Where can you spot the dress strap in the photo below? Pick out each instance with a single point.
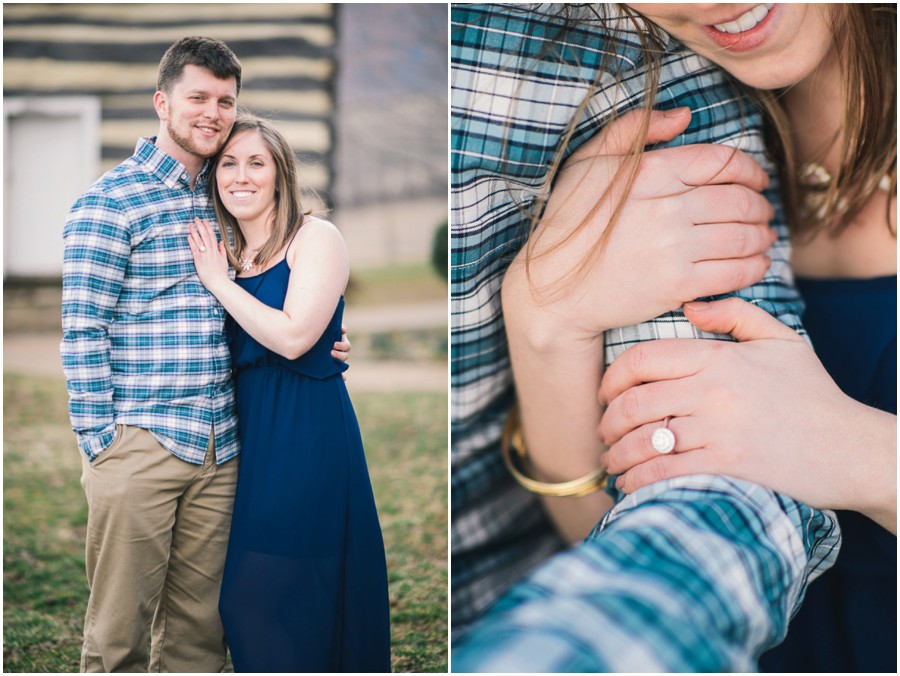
(291, 242)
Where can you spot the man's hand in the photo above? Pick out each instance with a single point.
(341, 350)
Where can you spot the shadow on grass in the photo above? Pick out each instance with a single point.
(45, 516)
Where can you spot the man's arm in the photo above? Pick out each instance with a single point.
(97, 250)
(691, 574)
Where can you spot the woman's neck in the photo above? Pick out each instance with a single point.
(814, 108)
(256, 232)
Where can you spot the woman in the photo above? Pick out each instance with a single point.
(305, 584)
(547, 413)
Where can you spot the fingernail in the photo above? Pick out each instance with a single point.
(675, 112)
(697, 305)
(620, 483)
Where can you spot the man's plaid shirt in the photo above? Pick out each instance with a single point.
(143, 341)
(519, 76)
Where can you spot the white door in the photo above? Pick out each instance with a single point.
(51, 155)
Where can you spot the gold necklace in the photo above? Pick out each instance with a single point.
(815, 181)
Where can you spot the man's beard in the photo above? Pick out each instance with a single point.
(188, 144)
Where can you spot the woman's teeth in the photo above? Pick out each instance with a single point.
(746, 21)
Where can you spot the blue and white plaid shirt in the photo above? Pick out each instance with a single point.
(143, 341)
(519, 76)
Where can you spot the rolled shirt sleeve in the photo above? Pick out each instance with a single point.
(692, 574)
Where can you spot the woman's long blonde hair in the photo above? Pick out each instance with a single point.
(289, 213)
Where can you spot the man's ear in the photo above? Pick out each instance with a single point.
(161, 104)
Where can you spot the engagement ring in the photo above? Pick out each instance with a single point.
(663, 439)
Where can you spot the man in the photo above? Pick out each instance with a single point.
(148, 374)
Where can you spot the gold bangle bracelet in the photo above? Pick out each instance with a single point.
(512, 438)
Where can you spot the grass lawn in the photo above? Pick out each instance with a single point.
(44, 587)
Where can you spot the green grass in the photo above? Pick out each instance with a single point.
(405, 436)
(45, 515)
(403, 283)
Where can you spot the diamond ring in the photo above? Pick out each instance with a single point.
(663, 439)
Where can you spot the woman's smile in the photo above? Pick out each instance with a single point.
(766, 45)
(746, 21)
(747, 31)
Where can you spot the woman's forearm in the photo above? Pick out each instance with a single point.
(319, 271)
(275, 329)
(870, 444)
(557, 376)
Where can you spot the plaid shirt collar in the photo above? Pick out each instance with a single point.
(166, 168)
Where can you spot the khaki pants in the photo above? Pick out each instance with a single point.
(156, 539)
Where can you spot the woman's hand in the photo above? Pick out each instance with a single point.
(209, 257)
(763, 409)
(693, 224)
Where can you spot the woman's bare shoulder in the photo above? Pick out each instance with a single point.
(317, 234)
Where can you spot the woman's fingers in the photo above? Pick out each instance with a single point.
(730, 240)
(653, 360)
(647, 403)
(708, 164)
(197, 234)
(699, 461)
(739, 318)
(618, 137)
(207, 238)
(637, 446)
(711, 278)
(726, 204)
(195, 242)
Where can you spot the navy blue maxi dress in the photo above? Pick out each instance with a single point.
(848, 621)
(305, 582)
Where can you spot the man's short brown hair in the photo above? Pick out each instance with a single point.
(207, 53)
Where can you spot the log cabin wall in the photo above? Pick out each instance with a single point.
(112, 51)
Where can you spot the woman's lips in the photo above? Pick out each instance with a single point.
(746, 40)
